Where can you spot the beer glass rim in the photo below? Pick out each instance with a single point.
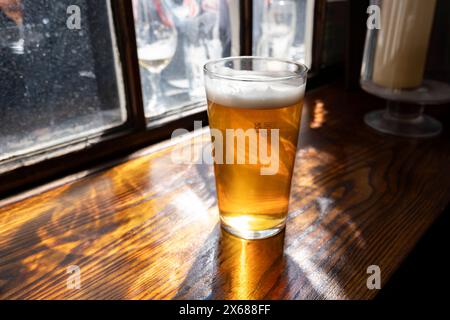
(300, 72)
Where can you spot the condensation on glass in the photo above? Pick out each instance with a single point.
(175, 38)
(59, 75)
(283, 29)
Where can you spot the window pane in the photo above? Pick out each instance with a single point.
(283, 29)
(59, 79)
(175, 38)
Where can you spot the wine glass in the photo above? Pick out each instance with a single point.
(156, 38)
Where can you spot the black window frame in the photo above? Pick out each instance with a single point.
(138, 132)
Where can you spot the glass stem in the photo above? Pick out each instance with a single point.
(399, 111)
(155, 83)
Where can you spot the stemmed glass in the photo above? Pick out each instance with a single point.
(156, 38)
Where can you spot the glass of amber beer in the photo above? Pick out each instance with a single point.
(254, 110)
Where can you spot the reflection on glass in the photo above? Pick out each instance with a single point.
(283, 29)
(57, 85)
(202, 33)
(156, 38)
(278, 28)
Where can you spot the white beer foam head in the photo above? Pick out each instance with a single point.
(254, 95)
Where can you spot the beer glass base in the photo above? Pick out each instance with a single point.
(422, 126)
(253, 234)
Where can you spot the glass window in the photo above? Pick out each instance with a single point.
(175, 38)
(59, 75)
(283, 29)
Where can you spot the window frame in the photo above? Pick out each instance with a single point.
(138, 131)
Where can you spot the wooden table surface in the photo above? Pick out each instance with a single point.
(148, 228)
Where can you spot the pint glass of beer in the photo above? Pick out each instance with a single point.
(254, 110)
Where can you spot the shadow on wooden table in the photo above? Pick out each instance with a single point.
(231, 268)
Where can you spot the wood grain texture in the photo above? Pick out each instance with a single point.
(148, 228)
